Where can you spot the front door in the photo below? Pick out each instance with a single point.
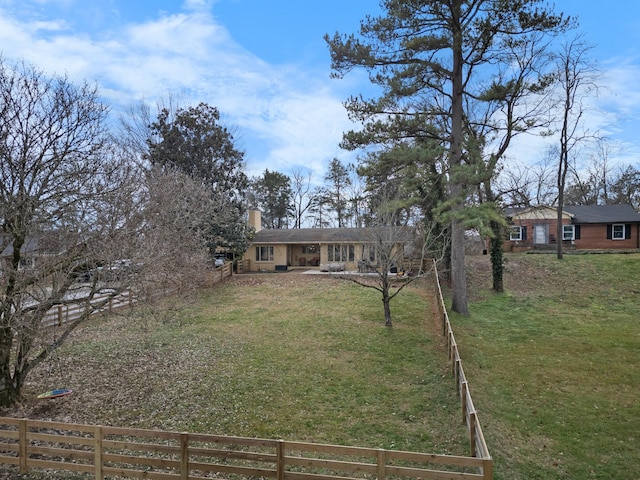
(540, 234)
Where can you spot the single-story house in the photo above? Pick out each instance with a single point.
(349, 249)
(583, 227)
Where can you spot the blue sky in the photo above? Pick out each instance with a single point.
(264, 64)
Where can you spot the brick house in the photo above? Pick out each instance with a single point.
(583, 227)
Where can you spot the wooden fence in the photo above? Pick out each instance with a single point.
(105, 451)
(221, 272)
(107, 303)
(477, 442)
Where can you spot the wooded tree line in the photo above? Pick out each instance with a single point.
(297, 202)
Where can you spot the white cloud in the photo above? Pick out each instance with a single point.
(284, 117)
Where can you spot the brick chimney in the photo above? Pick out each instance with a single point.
(255, 219)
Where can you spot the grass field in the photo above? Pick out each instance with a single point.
(299, 357)
(553, 365)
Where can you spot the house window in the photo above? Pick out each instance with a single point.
(617, 232)
(568, 232)
(517, 233)
(369, 253)
(264, 254)
(341, 253)
(26, 263)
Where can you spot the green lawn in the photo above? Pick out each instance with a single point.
(554, 366)
(285, 355)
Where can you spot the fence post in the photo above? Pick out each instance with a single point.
(59, 315)
(472, 433)
(464, 390)
(454, 355)
(382, 463)
(280, 460)
(22, 448)
(97, 454)
(487, 469)
(184, 456)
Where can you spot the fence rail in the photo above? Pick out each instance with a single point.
(478, 445)
(105, 451)
(106, 303)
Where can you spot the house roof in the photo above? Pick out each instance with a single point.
(48, 243)
(310, 235)
(586, 214)
(603, 214)
(29, 247)
(534, 212)
(315, 235)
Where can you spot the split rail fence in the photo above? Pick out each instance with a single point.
(104, 451)
(61, 314)
(477, 442)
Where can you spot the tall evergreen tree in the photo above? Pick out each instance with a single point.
(409, 173)
(193, 141)
(336, 194)
(434, 60)
(274, 198)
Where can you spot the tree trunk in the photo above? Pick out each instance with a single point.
(11, 376)
(386, 301)
(497, 257)
(458, 271)
(562, 172)
(9, 395)
(559, 253)
(9, 391)
(459, 277)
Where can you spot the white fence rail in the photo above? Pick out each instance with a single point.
(108, 302)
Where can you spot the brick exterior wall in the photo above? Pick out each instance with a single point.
(595, 236)
(529, 242)
(591, 236)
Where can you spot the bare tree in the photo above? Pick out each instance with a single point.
(577, 83)
(174, 217)
(65, 203)
(398, 249)
(303, 197)
(592, 184)
(625, 186)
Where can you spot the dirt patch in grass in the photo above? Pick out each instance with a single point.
(521, 277)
